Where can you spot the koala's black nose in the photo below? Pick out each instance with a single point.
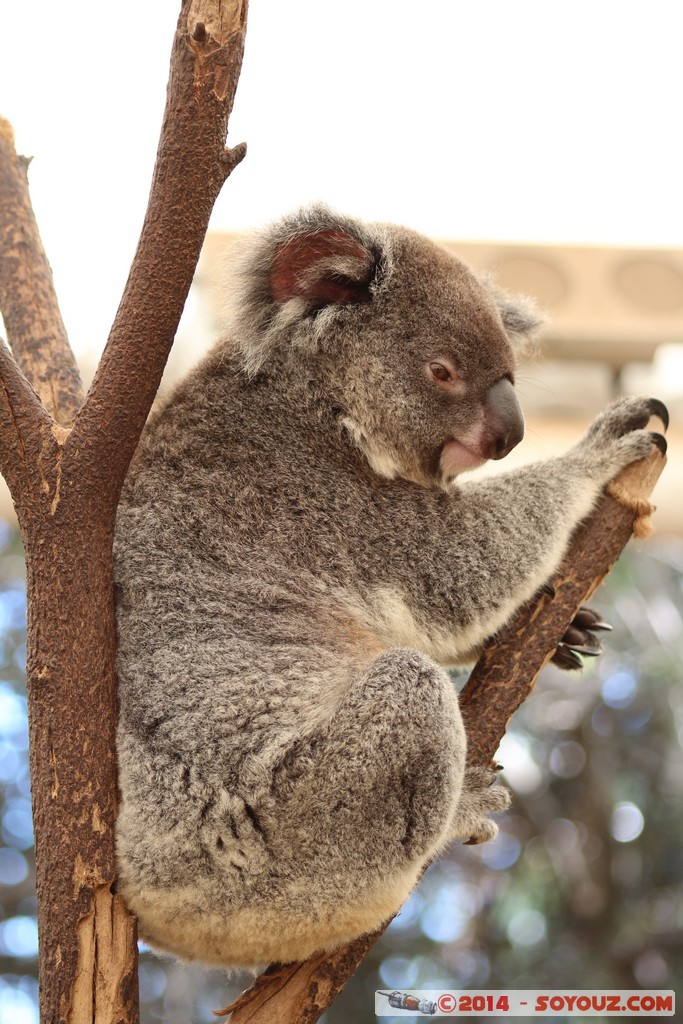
(503, 420)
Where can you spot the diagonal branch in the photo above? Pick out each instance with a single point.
(507, 670)
(191, 166)
(27, 297)
(24, 426)
(502, 678)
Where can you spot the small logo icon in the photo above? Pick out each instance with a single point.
(406, 1001)
(447, 1002)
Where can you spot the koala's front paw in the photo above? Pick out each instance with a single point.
(617, 437)
(580, 639)
(479, 798)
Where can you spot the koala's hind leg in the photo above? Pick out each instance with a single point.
(360, 805)
(350, 813)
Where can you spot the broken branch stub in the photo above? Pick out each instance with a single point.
(28, 301)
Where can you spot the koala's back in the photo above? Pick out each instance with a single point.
(221, 597)
(216, 558)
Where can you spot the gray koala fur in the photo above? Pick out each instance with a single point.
(294, 564)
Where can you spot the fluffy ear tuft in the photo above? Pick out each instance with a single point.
(306, 262)
(521, 318)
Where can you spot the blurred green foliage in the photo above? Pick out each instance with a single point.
(582, 889)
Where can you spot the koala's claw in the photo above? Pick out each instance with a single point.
(479, 798)
(658, 409)
(587, 618)
(628, 414)
(487, 830)
(579, 639)
(565, 658)
(619, 437)
(659, 440)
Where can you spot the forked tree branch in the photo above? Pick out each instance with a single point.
(66, 483)
(191, 167)
(35, 330)
(299, 993)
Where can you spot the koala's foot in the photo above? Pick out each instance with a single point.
(580, 639)
(479, 798)
(617, 437)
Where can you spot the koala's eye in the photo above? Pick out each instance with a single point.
(440, 372)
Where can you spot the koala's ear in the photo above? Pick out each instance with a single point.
(521, 318)
(322, 268)
(312, 260)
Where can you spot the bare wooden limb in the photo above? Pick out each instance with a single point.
(507, 670)
(192, 165)
(502, 678)
(24, 426)
(27, 297)
(72, 722)
(66, 484)
(286, 993)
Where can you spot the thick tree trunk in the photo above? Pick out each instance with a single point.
(65, 460)
(88, 939)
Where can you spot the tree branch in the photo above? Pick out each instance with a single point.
(24, 426)
(66, 483)
(191, 166)
(507, 670)
(502, 678)
(27, 297)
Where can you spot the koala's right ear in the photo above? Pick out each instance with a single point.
(322, 268)
(310, 261)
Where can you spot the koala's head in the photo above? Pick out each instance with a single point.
(413, 351)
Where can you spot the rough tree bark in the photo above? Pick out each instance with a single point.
(65, 459)
(298, 993)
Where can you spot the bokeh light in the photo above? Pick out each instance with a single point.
(19, 937)
(627, 822)
(526, 928)
(619, 689)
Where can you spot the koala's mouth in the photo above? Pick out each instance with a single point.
(456, 457)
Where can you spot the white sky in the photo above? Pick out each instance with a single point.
(488, 119)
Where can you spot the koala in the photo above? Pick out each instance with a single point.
(296, 562)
